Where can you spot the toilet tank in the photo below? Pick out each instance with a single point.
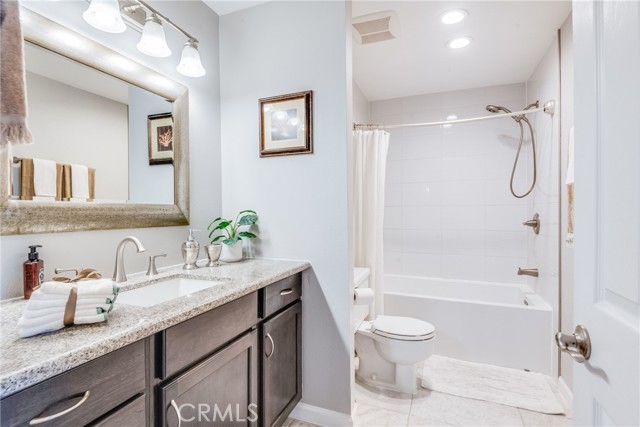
(360, 280)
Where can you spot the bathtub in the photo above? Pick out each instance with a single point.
(499, 324)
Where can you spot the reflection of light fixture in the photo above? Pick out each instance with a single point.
(153, 42)
(294, 121)
(105, 15)
(453, 16)
(459, 43)
(450, 117)
(190, 64)
(280, 115)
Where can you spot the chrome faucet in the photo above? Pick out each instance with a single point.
(119, 275)
(533, 272)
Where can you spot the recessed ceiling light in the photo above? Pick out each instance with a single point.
(453, 16)
(459, 42)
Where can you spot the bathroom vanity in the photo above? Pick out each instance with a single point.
(230, 353)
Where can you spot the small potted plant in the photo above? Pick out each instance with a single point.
(231, 235)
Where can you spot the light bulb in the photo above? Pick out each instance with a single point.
(190, 64)
(105, 15)
(453, 16)
(459, 43)
(153, 41)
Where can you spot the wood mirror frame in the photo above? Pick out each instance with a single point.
(53, 217)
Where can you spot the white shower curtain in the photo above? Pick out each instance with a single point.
(370, 156)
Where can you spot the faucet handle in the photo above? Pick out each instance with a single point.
(151, 270)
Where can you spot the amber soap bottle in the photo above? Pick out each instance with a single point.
(32, 272)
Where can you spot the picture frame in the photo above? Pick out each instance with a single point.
(286, 124)
(160, 130)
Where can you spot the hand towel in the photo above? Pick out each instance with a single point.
(86, 288)
(81, 310)
(92, 183)
(79, 182)
(26, 178)
(55, 325)
(66, 182)
(59, 181)
(39, 303)
(44, 177)
(570, 188)
(13, 100)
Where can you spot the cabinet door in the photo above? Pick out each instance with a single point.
(282, 365)
(220, 391)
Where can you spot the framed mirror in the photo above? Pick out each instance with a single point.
(119, 128)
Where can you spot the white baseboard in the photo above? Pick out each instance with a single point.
(320, 416)
(565, 394)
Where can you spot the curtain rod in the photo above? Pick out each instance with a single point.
(548, 107)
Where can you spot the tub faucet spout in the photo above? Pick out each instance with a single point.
(533, 272)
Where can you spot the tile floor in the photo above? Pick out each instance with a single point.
(429, 408)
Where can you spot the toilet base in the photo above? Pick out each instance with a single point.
(405, 380)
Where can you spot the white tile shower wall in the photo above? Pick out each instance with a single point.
(543, 249)
(448, 210)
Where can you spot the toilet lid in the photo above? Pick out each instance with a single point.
(402, 328)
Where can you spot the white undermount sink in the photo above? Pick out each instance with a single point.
(164, 291)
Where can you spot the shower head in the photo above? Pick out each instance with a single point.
(497, 109)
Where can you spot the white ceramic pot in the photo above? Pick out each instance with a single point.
(232, 253)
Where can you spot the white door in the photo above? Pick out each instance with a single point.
(607, 233)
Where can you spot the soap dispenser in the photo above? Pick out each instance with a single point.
(190, 252)
(32, 271)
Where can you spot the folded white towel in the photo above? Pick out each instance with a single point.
(30, 322)
(44, 177)
(81, 310)
(79, 182)
(77, 200)
(44, 198)
(51, 301)
(85, 288)
(28, 330)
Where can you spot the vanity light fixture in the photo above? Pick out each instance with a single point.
(153, 41)
(453, 16)
(190, 64)
(459, 43)
(106, 15)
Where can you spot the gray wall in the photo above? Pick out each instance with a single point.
(147, 183)
(361, 106)
(97, 248)
(273, 49)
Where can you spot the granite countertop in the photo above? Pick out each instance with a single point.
(28, 361)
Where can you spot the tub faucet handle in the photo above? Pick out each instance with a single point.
(533, 223)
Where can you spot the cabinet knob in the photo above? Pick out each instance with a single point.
(273, 346)
(42, 420)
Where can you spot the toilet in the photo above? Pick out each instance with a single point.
(388, 348)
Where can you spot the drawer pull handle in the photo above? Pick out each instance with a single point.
(286, 291)
(273, 347)
(174, 405)
(41, 420)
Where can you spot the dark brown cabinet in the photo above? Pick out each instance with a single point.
(220, 391)
(281, 365)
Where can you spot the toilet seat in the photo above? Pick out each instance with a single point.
(402, 328)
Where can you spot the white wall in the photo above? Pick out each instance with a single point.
(449, 212)
(566, 251)
(147, 183)
(273, 49)
(360, 105)
(97, 248)
(70, 125)
(543, 249)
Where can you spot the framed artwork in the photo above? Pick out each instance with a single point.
(160, 138)
(286, 124)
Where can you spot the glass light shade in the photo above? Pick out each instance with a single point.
(459, 43)
(105, 15)
(153, 42)
(190, 64)
(453, 16)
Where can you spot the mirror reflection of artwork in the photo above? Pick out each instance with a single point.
(160, 139)
(286, 124)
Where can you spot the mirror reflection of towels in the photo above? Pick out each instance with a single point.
(44, 177)
(79, 182)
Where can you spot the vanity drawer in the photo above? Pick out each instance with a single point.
(133, 414)
(93, 389)
(281, 293)
(190, 341)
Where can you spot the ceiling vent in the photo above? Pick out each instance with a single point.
(376, 27)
